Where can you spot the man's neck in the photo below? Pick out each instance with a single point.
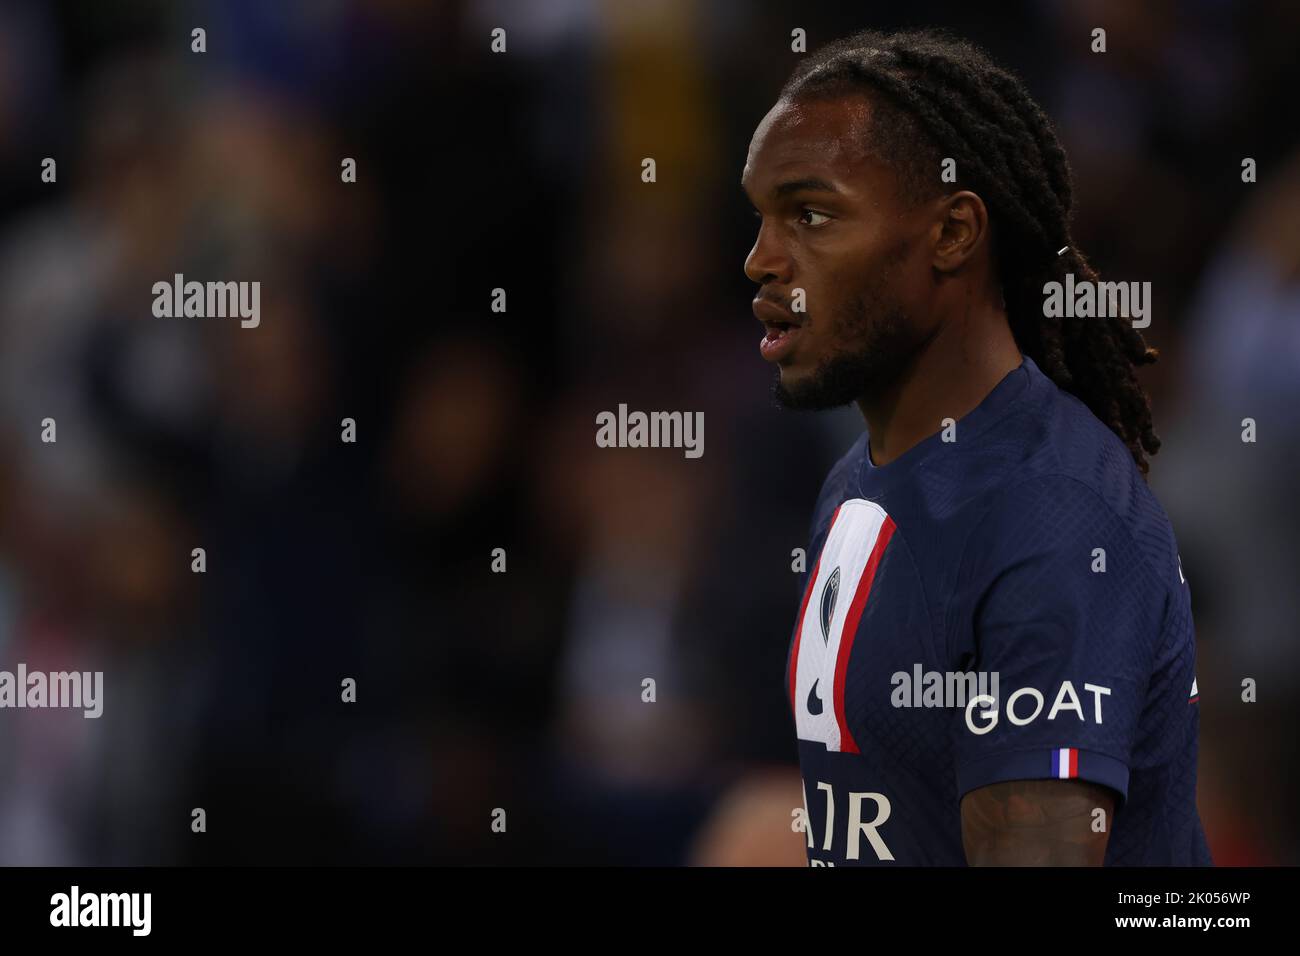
(948, 378)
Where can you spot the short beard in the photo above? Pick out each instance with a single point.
(883, 345)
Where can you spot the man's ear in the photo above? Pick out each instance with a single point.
(962, 223)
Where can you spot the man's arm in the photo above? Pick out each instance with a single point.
(1036, 823)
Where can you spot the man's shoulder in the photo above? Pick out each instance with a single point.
(1104, 514)
(1056, 474)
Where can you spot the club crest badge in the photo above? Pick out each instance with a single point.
(829, 593)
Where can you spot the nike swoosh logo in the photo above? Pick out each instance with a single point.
(814, 702)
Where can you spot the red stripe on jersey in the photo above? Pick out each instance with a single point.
(798, 627)
(847, 744)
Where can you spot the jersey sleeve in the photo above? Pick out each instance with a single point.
(1062, 615)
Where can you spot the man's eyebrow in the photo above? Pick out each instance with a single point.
(803, 184)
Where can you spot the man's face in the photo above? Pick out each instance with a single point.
(833, 223)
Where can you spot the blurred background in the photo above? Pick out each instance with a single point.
(326, 560)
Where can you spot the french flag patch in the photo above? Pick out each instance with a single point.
(1065, 763)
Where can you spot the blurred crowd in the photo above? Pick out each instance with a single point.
(522, 691)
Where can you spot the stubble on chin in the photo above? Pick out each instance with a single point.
(880, 346)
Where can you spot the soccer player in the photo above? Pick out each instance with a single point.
(993, 523)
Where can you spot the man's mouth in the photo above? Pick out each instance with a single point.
(782, 329)
(779, 340)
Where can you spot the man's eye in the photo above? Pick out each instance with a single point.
(809, 212)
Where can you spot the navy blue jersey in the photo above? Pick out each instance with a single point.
(1003, 601)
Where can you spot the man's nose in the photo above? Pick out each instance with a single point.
(767, 260)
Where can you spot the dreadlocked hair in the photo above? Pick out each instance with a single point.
(943, 97)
